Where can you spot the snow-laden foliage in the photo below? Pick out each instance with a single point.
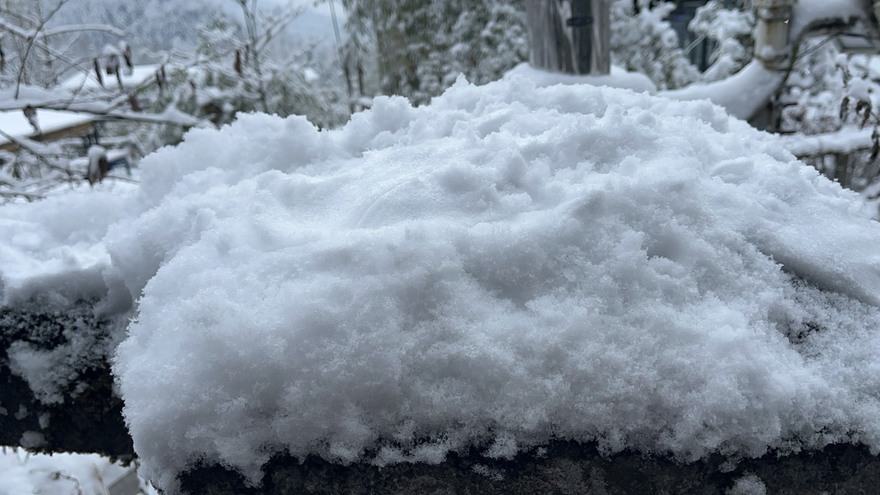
(815, 89)
(237, 67)
(483, 44)
(644, 42)
(228, 75)
(829, 92)
(421, 47)
(730, 30)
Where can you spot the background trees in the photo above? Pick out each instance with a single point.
(826, 91)
(196, 66)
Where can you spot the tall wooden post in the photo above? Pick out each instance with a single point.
(570, 36)
(772, 31)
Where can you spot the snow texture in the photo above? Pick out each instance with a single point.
(508, 265)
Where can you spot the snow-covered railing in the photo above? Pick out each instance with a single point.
(837, 154)
(848, 140)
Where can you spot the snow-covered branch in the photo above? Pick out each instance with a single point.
(848, 140)
(742, 94)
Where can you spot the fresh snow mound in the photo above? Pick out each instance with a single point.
(509, 265)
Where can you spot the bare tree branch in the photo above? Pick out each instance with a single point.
(31, 40)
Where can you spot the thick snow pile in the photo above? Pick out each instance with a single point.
(508, 265)
(505, 266)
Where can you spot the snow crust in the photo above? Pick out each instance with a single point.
(508, 265)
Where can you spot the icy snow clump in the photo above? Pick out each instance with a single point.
(508, 265)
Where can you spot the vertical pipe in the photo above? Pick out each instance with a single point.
(772, 32)
(570, 36)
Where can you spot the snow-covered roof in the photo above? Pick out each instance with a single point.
(89, 81)
(14, 123)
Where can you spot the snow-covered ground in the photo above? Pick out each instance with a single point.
(22, 473)
(510, 264)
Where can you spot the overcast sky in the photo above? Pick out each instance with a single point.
(316, 20)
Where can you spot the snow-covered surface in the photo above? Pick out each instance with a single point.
(507, 265)
(15, 124)
(22, 473)
(58, 246)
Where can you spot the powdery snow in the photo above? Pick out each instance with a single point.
(508, 265)
(55, 247)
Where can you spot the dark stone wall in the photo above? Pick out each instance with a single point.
(90, 417)
(566, 468)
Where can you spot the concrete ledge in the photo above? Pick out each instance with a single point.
(565, 468)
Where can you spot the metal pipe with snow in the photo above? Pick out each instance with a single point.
(772, 32)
